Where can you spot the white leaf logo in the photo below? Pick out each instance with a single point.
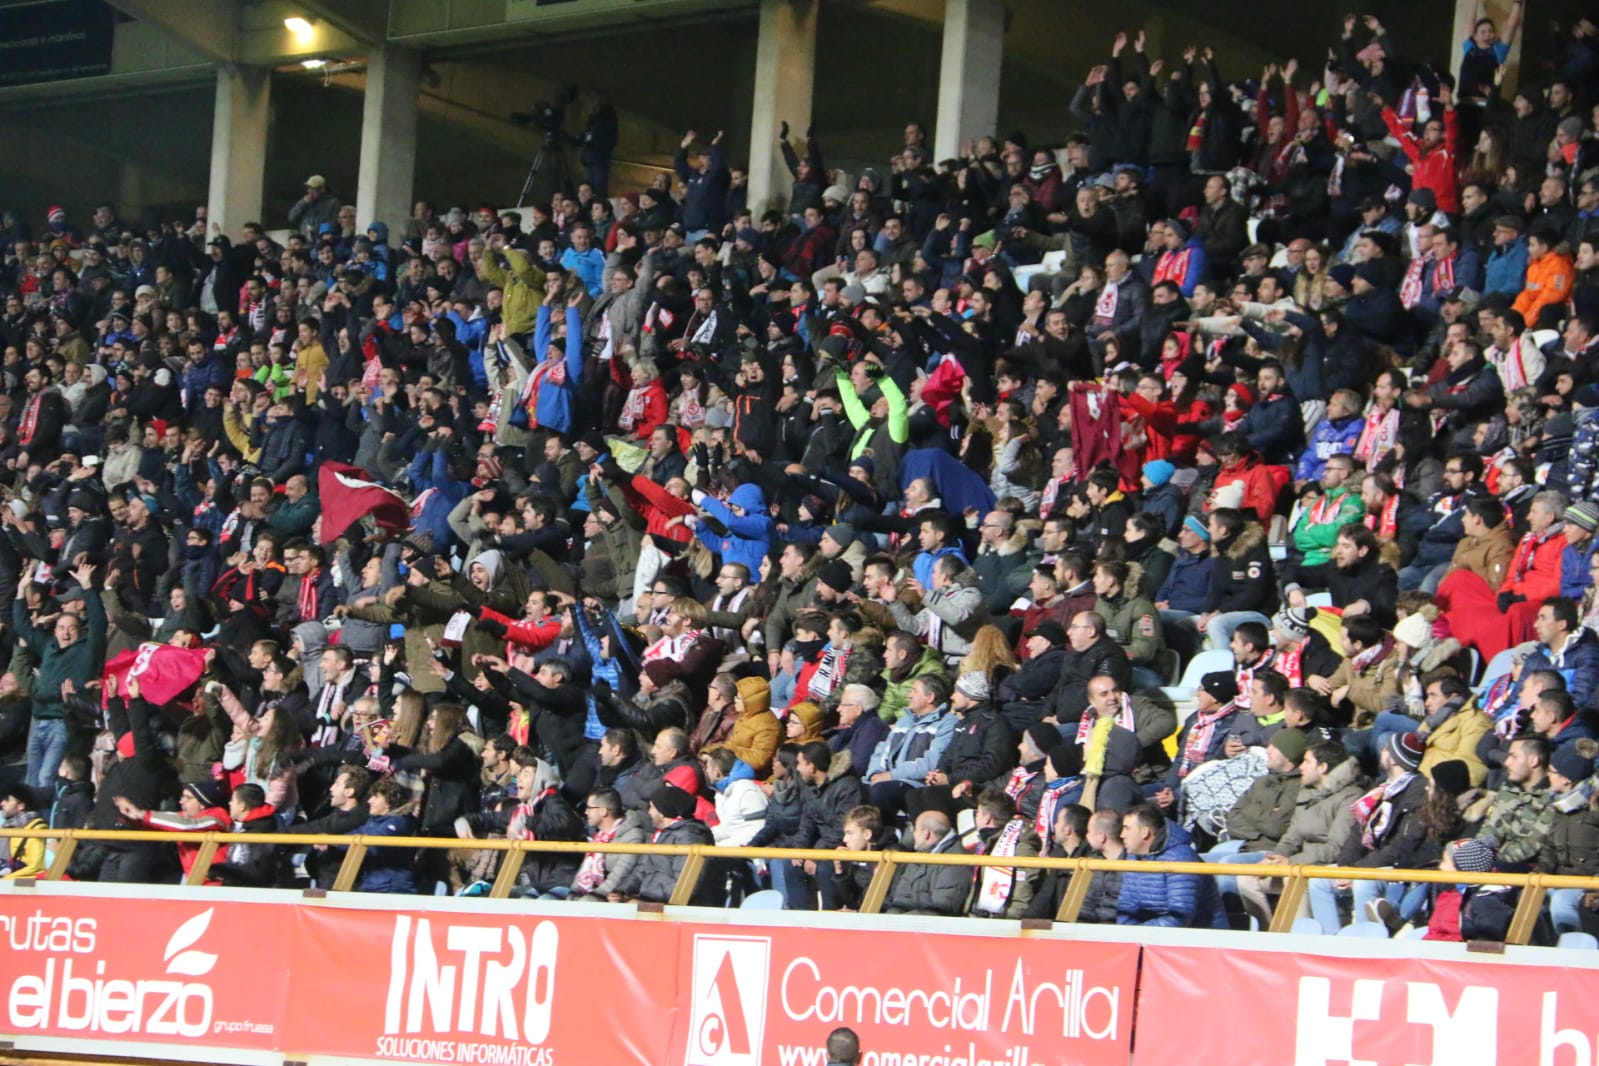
(189, 963)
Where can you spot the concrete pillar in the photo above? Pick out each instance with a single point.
(388, 137)
(968, 73)
(1499, 11)
(785, 71)
(239, 124)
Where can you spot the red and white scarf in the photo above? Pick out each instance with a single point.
(1124, 718)
(1379, 436)
(1246, 675)
(552, 369)
(1375, 809)
(1202, 727)
(1105, 306)
(1173, 266)
(1411, 288)
(1016, 784)
(671, 648)
(307, 603)
(1290, 664)
(994, 889)
(1386, 523)
(591, 874)
(30, 418)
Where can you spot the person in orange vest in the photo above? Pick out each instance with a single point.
(1549, 279)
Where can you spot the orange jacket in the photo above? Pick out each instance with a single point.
(1549, 282)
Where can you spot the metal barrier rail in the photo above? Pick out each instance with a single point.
(1296, 879)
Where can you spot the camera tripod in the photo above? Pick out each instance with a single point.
(549, 152)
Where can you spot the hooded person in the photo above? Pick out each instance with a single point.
(756, 731)
(749, 530)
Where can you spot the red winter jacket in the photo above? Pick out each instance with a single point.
(1434, 169)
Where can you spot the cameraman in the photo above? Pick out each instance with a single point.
(597, 143)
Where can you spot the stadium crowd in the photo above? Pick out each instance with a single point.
(891, 518)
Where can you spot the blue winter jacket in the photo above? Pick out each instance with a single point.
(388, 869)
(749, 536)
(555, 398)
(1331, 438)
(1181, 900)
(1274, 428)
(1579, 666)
(589, 266)
(1507, 269)
(1187, 584)
(431, 470)
(1574, 576)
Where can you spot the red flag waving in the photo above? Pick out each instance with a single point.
(348, 496)
(164, 671)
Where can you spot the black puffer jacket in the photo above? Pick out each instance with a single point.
(452, 784)
(982, 747)
(822, 817)
(654, 875)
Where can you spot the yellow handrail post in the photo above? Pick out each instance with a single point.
(1295, 885)
(510, 866)
(877, 889)
(202, 860)
(1071, 901)
(1528, 908)
(351, 866)
(65, 846)
(688, 879)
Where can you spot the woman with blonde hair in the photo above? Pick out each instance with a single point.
(990, 652)
(451, 768)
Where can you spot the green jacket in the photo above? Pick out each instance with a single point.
(295, 519)
(622, 540)
(1320, 522)
(1133, 622)
(522, 284)
(79, 662)
(1262, 813)
(1519, 820)
(897, 692)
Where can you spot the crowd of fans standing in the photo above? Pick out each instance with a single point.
(886, 518)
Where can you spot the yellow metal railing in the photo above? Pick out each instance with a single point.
(1295, 879)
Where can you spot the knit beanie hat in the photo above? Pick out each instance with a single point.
(1196, 527)
(843, 533)
(1452, 776)
(1159, 471)
(1067, 759)
(837, 576)
(672, 801)
(1472, 856)
(1042, 736)
(1343, 274)
(1571, 764)
(973, 685)
(1292, 743)
(1413, 630)
(208, 792)
(1583, 515)
(1294, 622)
(1406, 749)
(1222, 685)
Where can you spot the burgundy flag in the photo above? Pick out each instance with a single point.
(347, 497)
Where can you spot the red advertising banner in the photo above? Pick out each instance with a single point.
(1323, 1010)
(217, 976)
(473, 987)
(144, 971)
(768, 996)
